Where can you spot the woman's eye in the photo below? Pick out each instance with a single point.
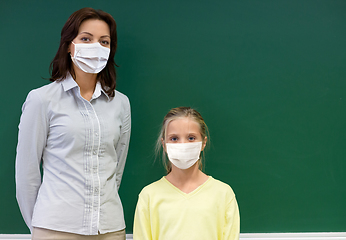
(106, 43)
(85, 39)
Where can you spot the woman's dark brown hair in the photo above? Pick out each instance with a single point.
(62, 63)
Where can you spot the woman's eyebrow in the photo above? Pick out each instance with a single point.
(85, 33)
(93, 35)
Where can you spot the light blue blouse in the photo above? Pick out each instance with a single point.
(83, 147)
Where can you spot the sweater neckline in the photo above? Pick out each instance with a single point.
(190, 193)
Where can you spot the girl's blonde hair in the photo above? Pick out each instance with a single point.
(173, 114)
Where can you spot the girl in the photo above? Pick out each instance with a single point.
(185, 204)
(79, 128)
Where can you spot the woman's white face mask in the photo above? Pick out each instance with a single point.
(183, 155)
(90, 57)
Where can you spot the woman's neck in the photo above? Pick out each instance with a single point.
(86, 82)
(187, 180)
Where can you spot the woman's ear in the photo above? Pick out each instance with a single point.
(204, 143)
(69, 49)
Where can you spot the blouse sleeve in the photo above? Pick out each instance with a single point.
(141, 225)
(232, 226)
(32, 137)
(123, 143)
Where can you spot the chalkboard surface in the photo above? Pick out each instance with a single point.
(267, 76)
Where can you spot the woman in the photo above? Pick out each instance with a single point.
(78, 127)
(185, 204)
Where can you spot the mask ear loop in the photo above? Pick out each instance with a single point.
(73, 57)
(74, 49)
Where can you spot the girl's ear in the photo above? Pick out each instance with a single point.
(163, 144)
(204, 143)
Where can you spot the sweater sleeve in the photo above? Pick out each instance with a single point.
(32, 137)
(123, 143)
(141, 225)
(232, 226)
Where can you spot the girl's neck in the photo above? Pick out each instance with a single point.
(187, 180)
(86, 82)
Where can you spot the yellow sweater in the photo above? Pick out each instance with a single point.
(164, 212)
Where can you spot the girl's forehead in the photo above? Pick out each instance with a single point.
(183, 123)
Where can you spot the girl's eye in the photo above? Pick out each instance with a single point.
(191, 138)
(174, 139)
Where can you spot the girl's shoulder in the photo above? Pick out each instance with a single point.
(157, 189)
(220, 186)
(154, 186)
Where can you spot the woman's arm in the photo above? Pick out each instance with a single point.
(123, 143)
(32, 137)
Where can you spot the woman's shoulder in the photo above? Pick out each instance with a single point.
(44, 92)
(120, 95)
(122, 98)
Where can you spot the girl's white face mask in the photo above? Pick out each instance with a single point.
(183, 155)
(90, 57)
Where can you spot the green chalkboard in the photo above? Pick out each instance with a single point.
(268, 77)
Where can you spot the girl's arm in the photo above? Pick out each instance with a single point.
(32, 137)
(123, 143)
(141, 225)
(232, 226)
